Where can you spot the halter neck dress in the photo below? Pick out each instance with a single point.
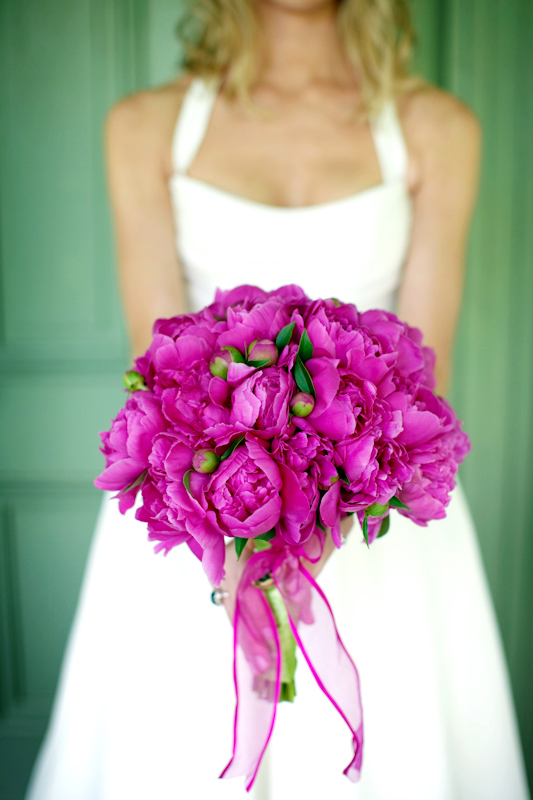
(145, 703)
(353, 248)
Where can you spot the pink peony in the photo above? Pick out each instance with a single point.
(261, 402)
(127, 446)
(342, 418)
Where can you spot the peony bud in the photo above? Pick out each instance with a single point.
(219, 364)
(236, 355)
(205, 461)
(134, 381)
(377, 509)
(263, 350)
(221, 360)
(302, 404)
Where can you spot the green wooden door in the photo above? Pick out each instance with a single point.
(62, 341)
(62, 63)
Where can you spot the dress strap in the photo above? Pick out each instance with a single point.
(192, 122)
(390, 143)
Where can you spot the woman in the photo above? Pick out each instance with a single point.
(302, 154)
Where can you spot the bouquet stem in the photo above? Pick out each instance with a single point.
(287, 643)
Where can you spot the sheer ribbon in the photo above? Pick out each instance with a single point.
(257, 658)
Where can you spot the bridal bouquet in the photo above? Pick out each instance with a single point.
(270, 417)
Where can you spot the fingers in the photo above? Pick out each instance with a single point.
(346, 525)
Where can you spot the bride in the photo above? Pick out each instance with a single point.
(296, 149)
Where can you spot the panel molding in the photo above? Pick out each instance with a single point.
(21, 713)
(12, 678)
(118, 65)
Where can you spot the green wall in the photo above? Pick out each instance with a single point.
(62, 343)
(488, 61)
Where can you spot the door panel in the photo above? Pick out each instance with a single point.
(63, 347)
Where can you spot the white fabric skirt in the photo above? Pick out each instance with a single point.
(146, 699)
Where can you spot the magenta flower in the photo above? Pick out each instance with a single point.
(435, 445)
(218, 452)
(127, 446)
(261, 402)
(243, 495)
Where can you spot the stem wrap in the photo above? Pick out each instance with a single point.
(258, 658)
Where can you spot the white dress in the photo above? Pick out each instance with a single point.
(145, 705)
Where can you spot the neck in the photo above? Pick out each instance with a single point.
(300, 48)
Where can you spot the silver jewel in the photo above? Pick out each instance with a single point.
(218, 596)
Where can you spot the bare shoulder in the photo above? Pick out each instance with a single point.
(140, 126)
(441, 131)
(430, 111)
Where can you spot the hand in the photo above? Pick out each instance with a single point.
(329, 548)
(234, 567)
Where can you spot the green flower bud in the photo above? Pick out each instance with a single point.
(377, 509)
(134, 381)
(205, 461)
(263, 351)
(236, 356)
(218, 366)
(302, 404)
(221, 360)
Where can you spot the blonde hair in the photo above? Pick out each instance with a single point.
(220, 40)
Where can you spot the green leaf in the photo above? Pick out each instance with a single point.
(187, 480)
(385, 525)
(343, 476)
(365, 530)
(261, 545)
(240, 544)
(235, 443)
(136, 482)
(266, 537)
(305, 349)
(258, 364)
(395, 503)
(284, 336)
(319, 524)
(302, 377)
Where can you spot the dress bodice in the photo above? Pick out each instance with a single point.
(352, 248)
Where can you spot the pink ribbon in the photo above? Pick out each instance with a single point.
(257, 659)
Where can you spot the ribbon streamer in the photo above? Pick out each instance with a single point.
(257, 659)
